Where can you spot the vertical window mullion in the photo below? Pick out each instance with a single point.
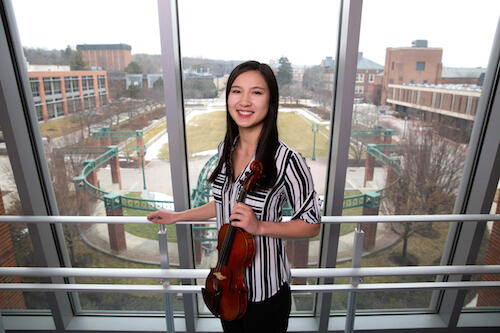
(24, 143)
(478, 185)
(172, 74)
(345, 77)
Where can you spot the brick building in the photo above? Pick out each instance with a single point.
(412, 65)
(416, 84)
(110, 57)
(368, 86)
(8, 299)
(59, 93)
(454, 107)
(368, 81)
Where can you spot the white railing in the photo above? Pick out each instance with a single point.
(165, 273)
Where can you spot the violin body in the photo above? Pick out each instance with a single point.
(225, 293)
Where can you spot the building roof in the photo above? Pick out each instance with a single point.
(103, 47)
(364, 63)
(328, 63)
(460, 72)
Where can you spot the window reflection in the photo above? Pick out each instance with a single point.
(16, 248)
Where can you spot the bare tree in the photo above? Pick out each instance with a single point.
(357, 148)
(429, 175)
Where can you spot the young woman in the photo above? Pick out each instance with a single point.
(251, 134)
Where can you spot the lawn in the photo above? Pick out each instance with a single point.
(60, 126)
(205, 132)
(149, 231)
(425, 249)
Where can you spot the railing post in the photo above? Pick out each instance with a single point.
(356, 263)
(164, 263)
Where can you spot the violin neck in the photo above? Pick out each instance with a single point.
(227, 245)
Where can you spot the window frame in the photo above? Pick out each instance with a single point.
(32, 177)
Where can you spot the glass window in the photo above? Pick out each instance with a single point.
(489, 254)
(371, 78)
(133, 173)
(305, 82)
(360, 77)
(34, 84)
(408, 160)
(16, 248)
(47, 86)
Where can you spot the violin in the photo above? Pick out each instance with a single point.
(225, 293)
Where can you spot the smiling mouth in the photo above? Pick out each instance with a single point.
(244, 113)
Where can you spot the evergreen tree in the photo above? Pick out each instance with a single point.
(285, 72)
(133, 68)
(76, 63)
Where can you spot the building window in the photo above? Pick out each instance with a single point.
(35, 90)
(391, 81)
(87, 82)
(101, 82)
(358, 89)
(39, 112)
(47, 87)
(371, 78)
(360, 77)
(392, 66)
(71, 84)
(420, 65)
(56, 83)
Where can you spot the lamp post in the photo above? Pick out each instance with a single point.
(314, 129)
(140, 154)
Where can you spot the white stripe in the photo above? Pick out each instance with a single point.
(297, 178)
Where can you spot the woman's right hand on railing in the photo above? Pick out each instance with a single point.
(163, 217)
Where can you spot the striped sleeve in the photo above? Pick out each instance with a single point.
(300, 190)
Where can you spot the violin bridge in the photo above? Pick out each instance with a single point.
(219, 276)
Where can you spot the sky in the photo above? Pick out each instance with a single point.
(304, 31)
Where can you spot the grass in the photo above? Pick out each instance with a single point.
(85, 256)
(206, 131)
(157, 128)
(424, 249)
(60, 126)
(148, 231)
(295, 131)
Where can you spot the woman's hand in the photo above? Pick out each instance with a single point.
(242, 216)
(163, 217)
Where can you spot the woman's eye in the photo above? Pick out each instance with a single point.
(257, 92)
(235, 91)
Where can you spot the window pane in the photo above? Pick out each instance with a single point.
(489, 254)
(101, 133)
(16, 248)
(301, 57)
(410, 131)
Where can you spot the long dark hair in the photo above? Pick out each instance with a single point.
(268, 139)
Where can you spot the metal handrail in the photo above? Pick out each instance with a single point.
(324, 219)
(193, 289)
(356, 273)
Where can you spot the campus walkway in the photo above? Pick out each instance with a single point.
(146, 251)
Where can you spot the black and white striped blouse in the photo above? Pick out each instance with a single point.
(270, 268)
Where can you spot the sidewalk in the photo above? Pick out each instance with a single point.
(146, 251)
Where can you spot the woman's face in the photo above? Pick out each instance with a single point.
(248, 100)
